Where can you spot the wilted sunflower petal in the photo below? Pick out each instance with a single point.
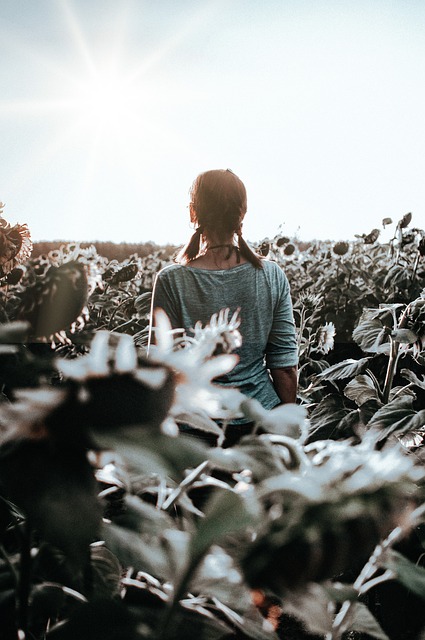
(125, 355)
(218, 366)
(154, 377)
(99, 354)
(163, 336)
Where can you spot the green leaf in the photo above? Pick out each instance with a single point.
(176, 544)
(305, 488)
(201, 422)
(384, 349)
(393, 412)
(106, 572)
(351, 423)
(397, 417)
(325, 418)
(409, 574)
(231, 459)
(368, 410)
(134, 550)
(143, 302)
(385, 309)
(286, 420)
(361, 389)
(399, 392)
(369, 335)
(218, 576)
(344, 369)
(148, 451)
(363, 621)
(253, 453)
(142, 517)
(405, 336)
(413, 378)
(226, 512)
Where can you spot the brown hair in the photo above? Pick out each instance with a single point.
(218, 205)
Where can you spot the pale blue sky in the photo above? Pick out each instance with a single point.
(109, 110)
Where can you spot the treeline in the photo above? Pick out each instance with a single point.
(111, 250)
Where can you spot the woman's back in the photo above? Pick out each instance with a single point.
(191, 293)
(218, 270)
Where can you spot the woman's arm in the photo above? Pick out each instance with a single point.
(163, 298)
(285, 382)
(282, 348)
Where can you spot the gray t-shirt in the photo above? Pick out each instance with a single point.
(188, 294)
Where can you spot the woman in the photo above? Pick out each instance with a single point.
(218, 270)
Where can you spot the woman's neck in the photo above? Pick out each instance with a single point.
(215, 241)
(220, 253)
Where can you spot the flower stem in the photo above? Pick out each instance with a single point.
(391, 367)
(394, 355)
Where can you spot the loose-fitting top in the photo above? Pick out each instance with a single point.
(189, 294)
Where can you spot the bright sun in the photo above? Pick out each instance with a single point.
(108, 99)
(103, 109)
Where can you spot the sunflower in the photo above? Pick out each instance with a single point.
(15, 245)
(325, 338)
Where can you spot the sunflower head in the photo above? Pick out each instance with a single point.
(310, 301)
(15, 245)
(341, 248)
(325, 338)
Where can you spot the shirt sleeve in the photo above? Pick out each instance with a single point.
(282, 348)
(163, 297)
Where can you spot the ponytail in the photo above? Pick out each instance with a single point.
(191, 249)
(218, 205)
(248, 253)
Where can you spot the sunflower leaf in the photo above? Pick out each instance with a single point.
(369, 335)
(407, 573)
(325, 418)
(405, 336)
(152, 452)
(413, 378)
(363, 621)
(226, 512)
(344, 369)
(361, 389)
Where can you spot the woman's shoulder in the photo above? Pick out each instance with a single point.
(170, 270)
(275, 274)
(272, 267)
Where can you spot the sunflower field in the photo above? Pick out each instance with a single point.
(116, 526)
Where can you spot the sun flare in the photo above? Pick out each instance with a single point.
(108, 98)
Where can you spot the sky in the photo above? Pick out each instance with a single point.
(110, 109)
